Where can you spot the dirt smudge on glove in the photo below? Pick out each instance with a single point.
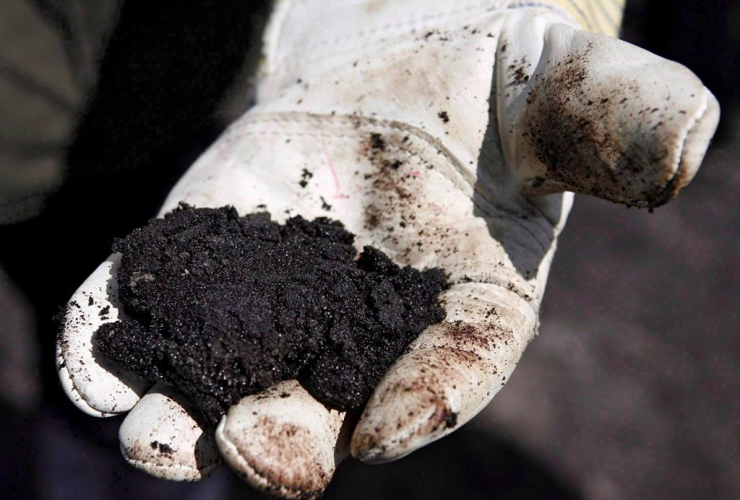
(576, 126)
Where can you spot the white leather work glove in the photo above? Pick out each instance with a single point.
(444, 134)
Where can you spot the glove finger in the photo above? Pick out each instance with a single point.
(95, 384)
(603, 117)
(282, 441)
(162, 437)
(448, 375)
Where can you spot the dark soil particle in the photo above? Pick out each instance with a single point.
(223, 306)
(306, 175)
(164, 448)
(377, 142)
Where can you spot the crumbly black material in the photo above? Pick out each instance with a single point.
(223, 306)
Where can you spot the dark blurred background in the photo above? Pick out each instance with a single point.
(630, 391)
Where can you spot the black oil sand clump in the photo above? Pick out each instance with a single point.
(224, 306)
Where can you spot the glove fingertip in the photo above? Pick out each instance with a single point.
(161, 437)
(92, 382)
(282, 441)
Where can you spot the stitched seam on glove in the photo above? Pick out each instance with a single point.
(149, 464)
(70, 378)
(246, 465)
(481, 286)
(63, 371)
(492, 280)
(351, 122)
(668, 191)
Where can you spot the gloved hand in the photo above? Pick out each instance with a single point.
(445, 136)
